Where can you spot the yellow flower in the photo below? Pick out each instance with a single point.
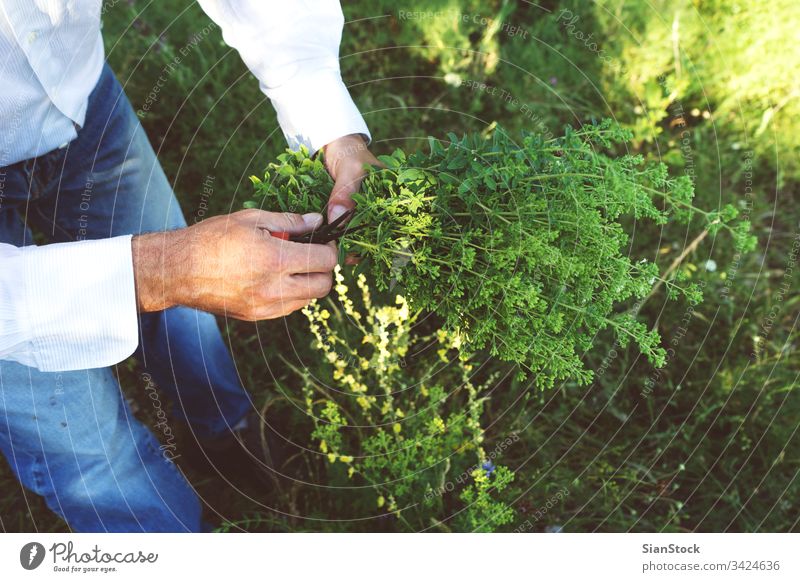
(332, 457)
(346, 459)
(381, 501)
(323, 446)
(397, 428)
(402, 313)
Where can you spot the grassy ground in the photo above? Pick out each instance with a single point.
(708, 443)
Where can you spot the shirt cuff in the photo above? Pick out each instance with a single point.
(316, 110)
(80, 300)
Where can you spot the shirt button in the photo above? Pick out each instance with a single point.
(32, 36)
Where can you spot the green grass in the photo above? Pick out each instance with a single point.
(709, 442)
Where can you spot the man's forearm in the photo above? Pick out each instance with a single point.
(159, 260)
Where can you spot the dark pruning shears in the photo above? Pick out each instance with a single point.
(324, 234)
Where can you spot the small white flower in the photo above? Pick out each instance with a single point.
(453, 79)
(711, 265)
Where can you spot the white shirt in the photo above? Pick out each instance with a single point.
(72, 306)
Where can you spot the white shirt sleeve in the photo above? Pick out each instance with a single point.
(292, 47)
(68, 306)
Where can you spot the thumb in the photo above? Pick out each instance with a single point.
(341, 200)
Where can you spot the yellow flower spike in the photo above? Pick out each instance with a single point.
(381, 501)
(323, 446)
(361, 281)
(397, 428)
(346, 459)
(332, 457)
(479, 476)
(350, 472)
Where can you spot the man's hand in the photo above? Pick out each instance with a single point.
(345, 159)
(230, 265)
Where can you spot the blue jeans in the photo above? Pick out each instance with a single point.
(71, 437)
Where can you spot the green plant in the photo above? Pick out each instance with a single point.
(518, 247)
(401, 413)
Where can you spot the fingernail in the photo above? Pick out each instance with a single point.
(312, 219)
(336, 211)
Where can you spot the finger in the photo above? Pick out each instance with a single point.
(283, 221)
(306, 286)
(311, 285)
(300, 258)
(341, 200)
